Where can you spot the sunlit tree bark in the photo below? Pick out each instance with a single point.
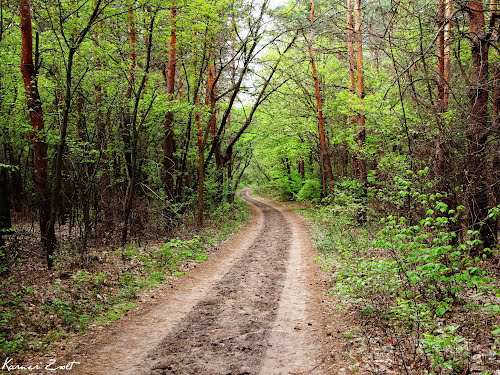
(29, 70)
(325, 157)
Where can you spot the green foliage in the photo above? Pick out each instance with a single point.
(446, 349)
(310, 192)
(410, 274)
(179, 251)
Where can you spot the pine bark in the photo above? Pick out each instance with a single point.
(442, 166)
(30, 78)
(325, 157)
(478, 127)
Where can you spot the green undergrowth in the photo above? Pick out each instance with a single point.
(436, 301)
(32, 317)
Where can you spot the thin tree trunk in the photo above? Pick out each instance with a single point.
(169, 140)
(442, 166)
(447, 54)
(327, 166)
(493, 170)
(478, 127)
(29, 70)
(440, 71)
(5, 200)
(135, 134)
(102, 196)
(441, 156)
(230, 190)
(201, 162)
(98, 93)
(361, 95)
(210, 101)
(85, 172)
(352, 80)
(181, 175)
(288, 169)
(130, 160)
(302, 170)
(201, 156)
(58, 162)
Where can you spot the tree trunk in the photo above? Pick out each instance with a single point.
(58, 161)
(352, 81)
(478, 127)
(440, 71)
(201, 167)
(29, 72)
(181, 176)
(85, 172)
(441, 167)
(102, 196)
(361, 95)
(126, 130)
(322, 140)
(129, 140)
(447, 54)
(5, 222)
(493, 170)
(229, 162)
(210, 101)
(302, 169)
(169, 141)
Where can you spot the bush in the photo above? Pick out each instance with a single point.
(413, 277)
(310, 192)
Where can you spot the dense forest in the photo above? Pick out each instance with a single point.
(131, 122)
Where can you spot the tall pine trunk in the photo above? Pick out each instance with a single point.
(478, 127)
(29, 72)
(325, 157)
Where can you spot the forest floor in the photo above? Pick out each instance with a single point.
(257, 306)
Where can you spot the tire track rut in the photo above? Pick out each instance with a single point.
(227, 332)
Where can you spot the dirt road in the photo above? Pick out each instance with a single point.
(251, 309)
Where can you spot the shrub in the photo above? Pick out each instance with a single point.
(310, 192)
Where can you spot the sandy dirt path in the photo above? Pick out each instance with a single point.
(253, 308)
